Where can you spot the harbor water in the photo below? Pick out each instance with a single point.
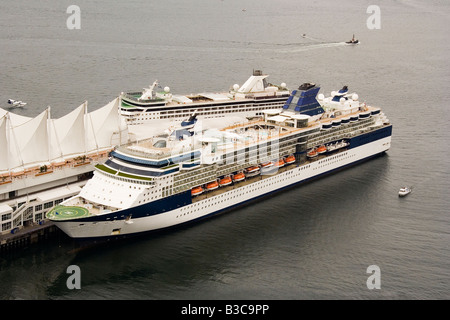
(315, 241)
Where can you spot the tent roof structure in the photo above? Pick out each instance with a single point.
(25, 141)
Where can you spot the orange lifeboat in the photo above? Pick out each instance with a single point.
(312, 153)
(252, 171)
(279, 163)
(212, 185)
(290, 159)
(267, 164)
(196, 191)
(321, 149)
(239, 176)
(225, 181)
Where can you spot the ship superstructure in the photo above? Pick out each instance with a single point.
(189, 173)
(248, 100)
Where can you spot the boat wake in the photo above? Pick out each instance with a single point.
(307, 47)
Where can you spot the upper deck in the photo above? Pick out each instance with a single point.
(256, 87)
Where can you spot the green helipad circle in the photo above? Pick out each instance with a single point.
(62, 212)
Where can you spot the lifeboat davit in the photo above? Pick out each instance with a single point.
(225, 181)
(239, 176)
(279, 163)
(196, 191)
(312, 153)
(321, 149)
(290, 159)
(212, 185)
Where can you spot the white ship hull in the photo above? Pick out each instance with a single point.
(226, 200)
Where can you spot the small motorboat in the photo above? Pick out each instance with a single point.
(196, 191)
(239, 176)
(353, 41)
(404, 191)
(225, 181)
(16, 103)
(212, 185)
(289, 159)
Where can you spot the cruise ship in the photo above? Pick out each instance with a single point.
(248, 100)
(189, 173)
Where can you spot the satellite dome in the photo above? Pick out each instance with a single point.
(283, 85)
(355, 97)
(166, 89)
(342, 100)
(321, 96)
(235, 87)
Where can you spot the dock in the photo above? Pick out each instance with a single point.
(26, 236)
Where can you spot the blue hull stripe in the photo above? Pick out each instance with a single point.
(370, 137)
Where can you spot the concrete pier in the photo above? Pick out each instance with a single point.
(27, 235)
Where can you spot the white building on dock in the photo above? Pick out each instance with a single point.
(44, 161)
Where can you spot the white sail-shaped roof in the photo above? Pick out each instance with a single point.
(3, 144)
(100, 126)
(29, 141)
(67, 133)
(15, 119)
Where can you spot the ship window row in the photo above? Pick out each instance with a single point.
(334, 159)
(148, 199)
(234, 105)
(259, 106)
(350, 125)
(114, 177)
(214, 109)
(344, 128)
(200, 111)
(331, 135)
